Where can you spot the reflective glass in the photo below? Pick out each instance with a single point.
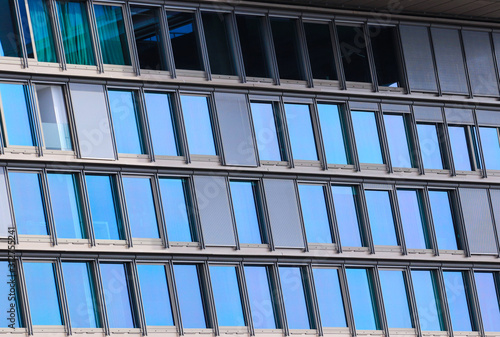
(331, 306)
(140, 207)
(42, 30)
(191, 307)
(9, 35)
(332, 133)
(314, 213)
(198, 126)
(80, 295)
(443, 220)
(346, 213)
(161, 127)
(115, 284)
(265, 131)
(173, 197)
(397, 309)
(220, 54)
(245, 211)
(287, 49)
(262, 306)
(155, 295)
(253, 45)
(491, 147)
(429, 146)
(458, 302)
(320, 48)
(27, 200)
(354, 55)
(112, 35)
(24, 25)
(184, 39)
(16, 115)
(489, 301)
(42, 293)
(362, 299)
(147, 32)
(459, 147)
(412, 219)
(227, 296)
(294, 298)
(397, 140)
(381, 219)
(298, 119)
(10, 301)
(427, 299)
(367, 139)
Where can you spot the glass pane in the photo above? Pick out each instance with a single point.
(245, 211)
(16, 115)
(459, 147)
(298, 119)
(174, 200)
(294, 298)
(75, 32)
(220, 54)
(384, 42)
(286, 47)
(457, 300)
(412, 219)
(184, 39)
(66, 206)
(42, 293)
(314, 213)
(10, 301)
(489, 302)
(126, 123)
(253, 45)
(265, 131)
(161, 126)
(54, 117)
(367, 139)
(443, 220)
(112, 35)
(104, 207)
(117, 295)
(43, 36)
(319, 45)
(362, 299)
(262, 305)
(333, 135)
(155, 295)
(429, 146)
(28, 204)
(140, 207)
(227, 296)
(398, 140)
(9, 35)
(491, 147)
(346, 212)
(429, 309)
(147, 31)
(26, 29)
(191, 307)
(381, 219)
(331, 306)
(80, 294)
(198, 126)
(354, 56)
(397, 309)
(6, 222)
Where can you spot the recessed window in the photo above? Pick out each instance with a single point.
(17, 122)
(367, 137)
(253, 45)
(354, 55)
(314, 213)
(184, 39)
(491, 147)
(43, 37)
(333, 134)
(261, 297)
(9, 35)
(265, 131)
(243, 196)
(430, 311)
(155, 295)
(460, 148)
(198, 125)
(140, 207)
(347, 215)
(300, 130)
(384, 42)
(398, 140)
(381, 218)
(394, 292)
(225, 288)
(442, 217)
(295, 299)
(413, 218)
(319, 45)
(330, 303)
(430, 147)
(287, 49)
(459, 302)
(187, 281)
(161, 126)
(487, 291)
(175, 209)
(219, 44)
(362, 295)
(112, 35)
(7, 286)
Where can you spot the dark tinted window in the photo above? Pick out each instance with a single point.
(287, 49)
(354, 55)
(319, 45)
(252, 40)
(184, 40)
(218, 41)
(385, 54)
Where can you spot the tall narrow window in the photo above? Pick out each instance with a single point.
(384, 42)
(260, 295)
(219, 44)
(117, 295)
(17, 128)
(381, 219)
(198, 125)
(112, 35)
(442, 217)
(319, 45)
(147, 31)
(295, 299)
(9, 34)
(491, 147)
(265, 131)
(362, 294)
(8, 286)
(430, 146)
(412, 218)
(155, 295)
(184, 39)
(333, 134)
(347, 215)
(315, 214)
(397, 137)
(330, 303)
(245, 211)
(287, 49)
(487, 291)
(161, 126)
(253, 45)
(458, 300)
(354, 55)
(300, 130)
(394, 292)
(43, 37)
(175, 209)
(25, 27)
(430, 311)
(191, 307)
(460, 147)
(367, 137)
(140, 207)
(228, 305)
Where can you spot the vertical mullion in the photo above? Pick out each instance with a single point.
(461, 221)
(344, 287)
(168, 43)
(203, 44)
(56, 28)
(59, 278)
(110, 119)
(314, 300)
(466, 67)
(26, 313)
(436, 73)
(386, 154)
(178, 121)
(34, 118)
(301, 216)
(332, 217)
(246, 299)
(337, 55)
(478, 143)
(195, 212)
(404, 71)
(138, 295)
(272, 53)
(494, 221)
(100, 292)
(351, 137)
(396, 211)
(426, 203)
(417, 153)
(22, 40)
(174, 300)
(134, 56)
(209, 296)
(367, 232)
(283, 126)
(306, 63)
(71, 120)
(447, 144)
(379, 298)
(94, 36)
(316, 124)
(86, 209)
(238, 53)
(413, 300)
(279, 291)
(470, 286)
(160, 215)
(265, 215)
(444, 301)
(143, 126)
(252, 127)
(371, 59)
(123, 211)
(47, 203)
(216, 134)
(233, 217)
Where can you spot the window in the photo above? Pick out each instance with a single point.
(265, 131)
(219, 44)
(319, 45)
(29, 210)
(260, 294)
(243, 195)
(54, 117)
(354, 55)
(300, 130)
(330, 303)
(198, 125)
(491, 147)
(487, 291)
(394, 292)
(397, 137)
(66, 205)
(42, 291)
(381, 218)
(184, 39)
(104, 208)
(413, 218)
(175, 209)
(367, 137)
(75, 31)
(155, 295)
(459, 136)
(43, 37)
(6, 218)
(187, 280)
(443, 220)
(9, 35)
(147, 32)
(81, 295)
(333, 134)
(17, 123)
(430, 148)
(314, 213)
(8, 287)
(253, 45)
(161, 126)
(346, 213)
(228, 305)
(385, 47)
(362, 296)
(126, 121)
(294, 297)
(112, 35)
(140, 207)
(287, 49)
(458, 300)
(427, 297)
(25, 27)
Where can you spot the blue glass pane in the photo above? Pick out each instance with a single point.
(397, 309)
(489, 302)
(103, 208)
(66, 207)
(362, 299)
(314, 213)
(429, 146)
(16, 115)
(412, 218)
(331, 306)
(188, 291)
(80, 295)
(198, 126)
(42, 294)
(160, 124)
(333, 137)
(367, 139)
(265, 131)
(491, 147)
(227, 296)
(429, 310)
(42, 30)
(155, 295)
(459, 148)
(124, 112)
(9, 302)
(381, 220)
(294, 298)
(443, 220)
(245, 213)
(117, 295)
(259, 294)
(28, 204)
(398, 141)
(174, 209)
(25, 28)
(9, 35)
(112, 34)
(298, 119)
(457, 301)
(347, 215)
(140, 207)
